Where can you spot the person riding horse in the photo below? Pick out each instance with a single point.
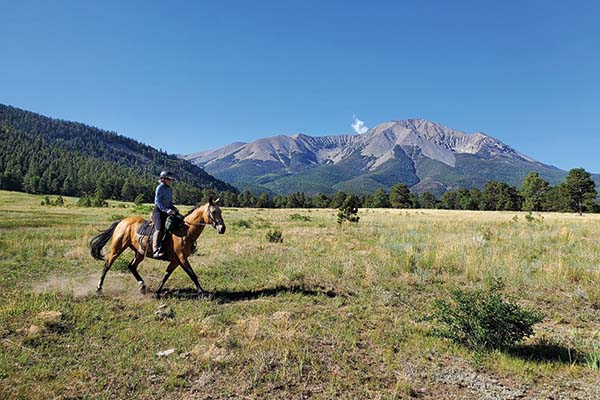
(163, 207)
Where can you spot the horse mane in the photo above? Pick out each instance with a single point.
(197, 206)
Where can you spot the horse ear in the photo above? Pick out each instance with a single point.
(218, 200)
(211, 201)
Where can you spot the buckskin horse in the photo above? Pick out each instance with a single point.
(124, 235)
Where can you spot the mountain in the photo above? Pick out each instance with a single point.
(422, 154)
(39, 154)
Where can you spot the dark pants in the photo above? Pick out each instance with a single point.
(158, 219)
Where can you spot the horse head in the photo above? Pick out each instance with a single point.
(213, 216)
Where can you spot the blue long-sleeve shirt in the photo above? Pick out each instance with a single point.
(163, 199)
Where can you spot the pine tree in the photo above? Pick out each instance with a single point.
(427, 200)
(534, 190)
(399, 196)
(263, 201)
(500, 196)
(380, 199)
(450, 200)
(581, 190)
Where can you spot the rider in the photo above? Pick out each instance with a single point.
(163, 207)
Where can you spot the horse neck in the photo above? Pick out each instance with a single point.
(195, 220)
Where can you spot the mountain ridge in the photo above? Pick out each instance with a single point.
(402, 151)
(40, 154)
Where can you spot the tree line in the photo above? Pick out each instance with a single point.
(48, 156)
(576, 194)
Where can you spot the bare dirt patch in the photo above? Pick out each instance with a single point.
(117, 285)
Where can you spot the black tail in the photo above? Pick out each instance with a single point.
(98, 242)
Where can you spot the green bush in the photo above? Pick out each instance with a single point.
(92, 201)
(299, 217)
(84, 201)
(242, 223)
(58, 202)
(348, 211)
(482, 319)
(274, 236)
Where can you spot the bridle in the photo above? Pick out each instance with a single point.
(211, 218)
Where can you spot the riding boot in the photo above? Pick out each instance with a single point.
(157, 245)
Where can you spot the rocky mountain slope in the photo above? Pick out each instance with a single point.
(422, 154)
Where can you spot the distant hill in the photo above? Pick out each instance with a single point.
(39, 154)
(424, 155)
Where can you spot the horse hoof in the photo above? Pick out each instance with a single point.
(205, 295)
(143, 289)
(98, 290)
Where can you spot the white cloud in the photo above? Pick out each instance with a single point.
(358, 125)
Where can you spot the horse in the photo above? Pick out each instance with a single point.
(123, 235)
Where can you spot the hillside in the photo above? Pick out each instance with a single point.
(424, 155)
(45, 155)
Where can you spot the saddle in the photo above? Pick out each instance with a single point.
(144, 238)
(146, 229)
(173, 226)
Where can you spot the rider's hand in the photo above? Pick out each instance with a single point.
(170, 212)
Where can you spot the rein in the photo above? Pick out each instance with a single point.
(199, 224)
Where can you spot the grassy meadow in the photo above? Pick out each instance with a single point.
(328, 313)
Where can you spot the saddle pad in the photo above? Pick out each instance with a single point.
(146, 229)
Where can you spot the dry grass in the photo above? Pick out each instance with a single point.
(330, 312)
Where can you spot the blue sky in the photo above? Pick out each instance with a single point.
(191, 76)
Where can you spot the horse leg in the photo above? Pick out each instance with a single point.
(190, 272)
(118, 245)
(137, 259)
(115, 252)
(170, 268)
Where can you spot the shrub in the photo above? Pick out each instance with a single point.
(99, 202)
(92, 201)
(84, 201)
(348, 211)
(482, 319)
(530, 218)
(274, 236)
(242, 223)
(299, 217)
(47, 202)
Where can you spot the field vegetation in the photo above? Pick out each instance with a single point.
(330, 311)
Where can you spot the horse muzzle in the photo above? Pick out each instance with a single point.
(220, 229)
